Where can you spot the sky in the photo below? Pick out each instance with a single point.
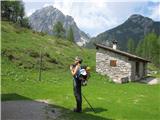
(96, 16)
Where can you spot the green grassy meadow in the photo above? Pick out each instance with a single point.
(20, 79)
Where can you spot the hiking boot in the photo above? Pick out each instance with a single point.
(76, 110)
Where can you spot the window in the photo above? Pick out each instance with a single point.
(113, 63)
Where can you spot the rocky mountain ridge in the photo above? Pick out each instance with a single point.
(43, 20)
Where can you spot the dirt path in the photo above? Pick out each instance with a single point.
(28, 110)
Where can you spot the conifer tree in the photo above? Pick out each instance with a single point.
(70, 34)
(58, 30)
(130, 46)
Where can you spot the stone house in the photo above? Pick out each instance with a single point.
(120, 66)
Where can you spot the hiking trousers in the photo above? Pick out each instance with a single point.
(77, 93)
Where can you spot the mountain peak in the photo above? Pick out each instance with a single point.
(43, 20)
(49, 7)
(136, 27)
(134, 16)
(137, 18)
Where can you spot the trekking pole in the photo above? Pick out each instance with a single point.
(89, 103)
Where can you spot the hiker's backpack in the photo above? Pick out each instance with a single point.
(83, 75)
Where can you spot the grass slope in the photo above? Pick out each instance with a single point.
(20, 56)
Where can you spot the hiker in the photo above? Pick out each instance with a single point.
(77, 84)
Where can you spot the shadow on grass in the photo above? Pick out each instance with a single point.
(97, 110)
(28, 109)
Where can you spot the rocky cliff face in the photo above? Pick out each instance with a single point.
(43, 20)
(135, 27)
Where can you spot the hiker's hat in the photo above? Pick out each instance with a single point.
(78, 59)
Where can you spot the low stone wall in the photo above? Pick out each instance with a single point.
(120, 73)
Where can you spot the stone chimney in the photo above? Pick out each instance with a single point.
(114, 43)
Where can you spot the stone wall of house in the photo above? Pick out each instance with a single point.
(120, 73)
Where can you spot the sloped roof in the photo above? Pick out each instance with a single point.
(121, 52)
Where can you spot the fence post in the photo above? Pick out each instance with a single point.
(40, 66)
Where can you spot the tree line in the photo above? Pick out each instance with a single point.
(14, 11)
(148, 48)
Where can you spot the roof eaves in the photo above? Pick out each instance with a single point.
(121, 52)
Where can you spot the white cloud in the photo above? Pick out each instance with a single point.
(47, 4)
(155, 12)
(96, 16)
(65, 6)
(89, 15)
(28, 13)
